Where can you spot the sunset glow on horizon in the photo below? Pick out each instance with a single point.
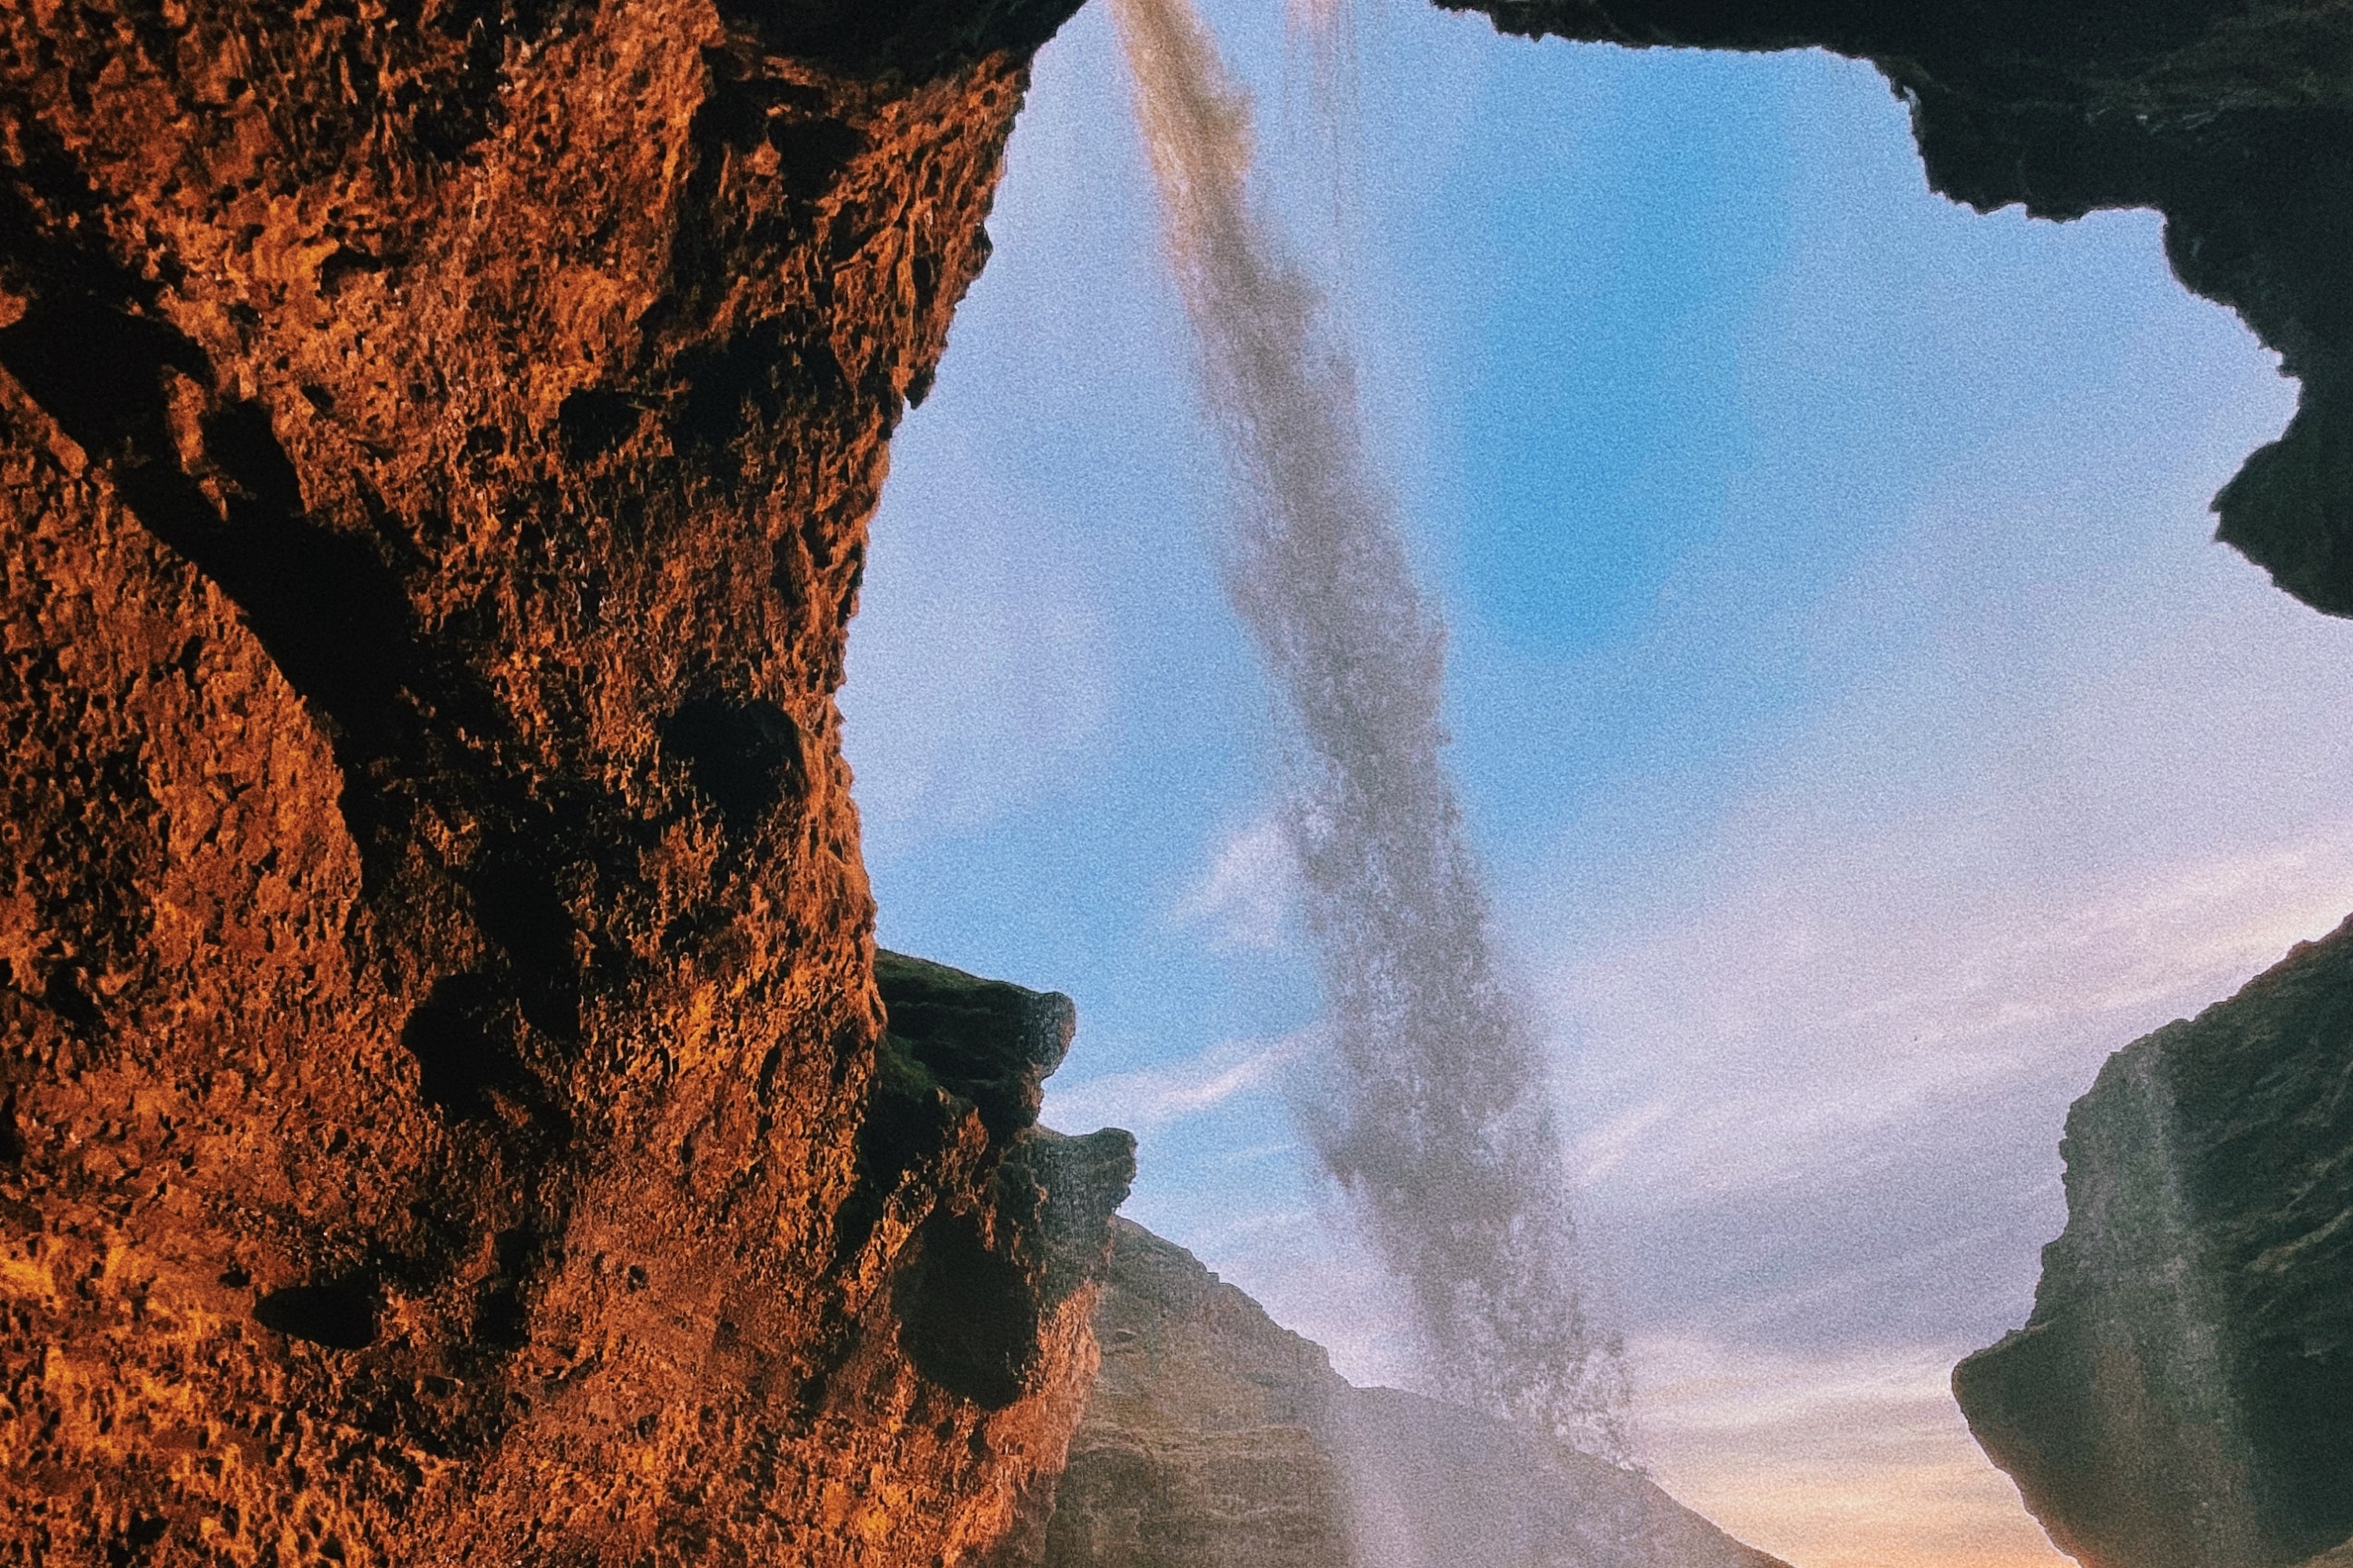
(1863, 1464)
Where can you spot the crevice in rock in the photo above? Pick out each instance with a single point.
(341, 1316)
(464, 1047)
(745, 756)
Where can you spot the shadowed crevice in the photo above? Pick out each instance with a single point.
(744, 757)
(341, 1316)
(465, 1048)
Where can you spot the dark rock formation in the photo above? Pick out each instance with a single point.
(2234, 118)
(1215, 1439)
(2182, 1395)
(435, 445)
(989, 1270)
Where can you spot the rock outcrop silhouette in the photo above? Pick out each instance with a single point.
(2234, 118)
(2182, 1395)
(449, 1115)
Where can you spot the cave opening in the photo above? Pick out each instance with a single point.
(1864, 732)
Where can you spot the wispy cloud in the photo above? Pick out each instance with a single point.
(1246, 895)
(1816, 1004)
(1151, 1099)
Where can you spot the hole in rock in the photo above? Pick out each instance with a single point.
(341, 1317)
(968, 1313)
(463, 1047)
(501, 1319)
(750, 378)
(138, 1537)
(70, 1003)
(744, 755)
(519, 907)
(592, 422)
(811, 152)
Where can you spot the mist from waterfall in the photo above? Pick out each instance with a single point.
(1432, 1108)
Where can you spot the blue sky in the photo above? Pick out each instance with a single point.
(1862, 732)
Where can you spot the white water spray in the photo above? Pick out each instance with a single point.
(1436, 1119)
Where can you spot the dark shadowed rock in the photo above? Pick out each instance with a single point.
(2182, 1395)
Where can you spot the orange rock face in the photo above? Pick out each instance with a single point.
(435, 445)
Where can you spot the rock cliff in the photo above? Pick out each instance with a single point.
(2182, 1395)
(1215, 1439)
(446, 1111)
(2234, 118)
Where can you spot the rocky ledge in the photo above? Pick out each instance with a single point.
(2182, 1395)
(1215, 1439)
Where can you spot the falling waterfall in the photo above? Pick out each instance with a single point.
(1436, 1122)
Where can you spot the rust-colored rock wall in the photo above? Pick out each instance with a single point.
(436, 444)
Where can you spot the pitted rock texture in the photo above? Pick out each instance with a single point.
(1214, 1438)
(436, 440)
(2182, 1394)
(2234, 118)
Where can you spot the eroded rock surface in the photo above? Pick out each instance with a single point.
(2182, 1395)
(2234, 118)
(1215, 1439)
(436, 444)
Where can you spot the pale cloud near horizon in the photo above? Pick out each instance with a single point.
(1811, 1457)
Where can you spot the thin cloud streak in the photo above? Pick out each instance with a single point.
(1250, 891)
(1150, 1099)
(1802, 1015)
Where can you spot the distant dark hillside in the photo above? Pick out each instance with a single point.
(1215, 1439)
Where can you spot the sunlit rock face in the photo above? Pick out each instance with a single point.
(2233, 117)
(2182, 1396)
(1215, 1439)
(449, 1116)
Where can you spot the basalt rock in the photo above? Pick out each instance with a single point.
(2234, 118)
(1215, 1439)
(449, 1115)
(2182, 1394)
